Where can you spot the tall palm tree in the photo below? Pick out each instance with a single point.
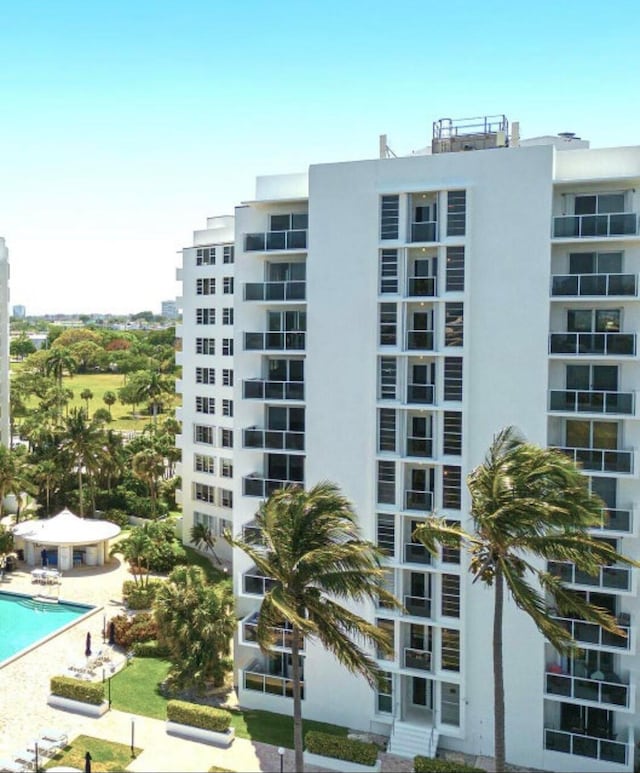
(203, 538)
(151, 385)
(310, 547)
(109, 398)
(136, 549)
(148, 466)
(528, 502)
(82, 441)
(59, 359)
(87, 396)
(14, 473)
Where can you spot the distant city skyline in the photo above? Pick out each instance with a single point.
(121, 120)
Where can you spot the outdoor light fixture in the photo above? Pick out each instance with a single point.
(281, 753)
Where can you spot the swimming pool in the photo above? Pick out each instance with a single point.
(24, 621)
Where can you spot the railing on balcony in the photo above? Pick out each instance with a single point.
(594, 690)
(604, 749)
(418, 500)
(421, 393)
(256, 584)
(616, 520)
(600, 459)
(418, 659)
(416, 553)
(611, 344)
(586, 401)
(255, 437)
(424, 232)
(276, 240)
(256, 679)
(257, 486)
(294, 339)
(420, 446)
(422, 286)
(584, 226)
(613, 577)
(282, 635)
(259, 389)
(417, 606)
(420, 339)
(594, 284)
(252, 533)
(593, 634)
(275, 291)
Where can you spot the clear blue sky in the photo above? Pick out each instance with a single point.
(124, 124)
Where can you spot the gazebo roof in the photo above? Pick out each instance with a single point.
(66, 529)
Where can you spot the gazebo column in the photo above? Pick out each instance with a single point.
(29, 553)
(65, 558)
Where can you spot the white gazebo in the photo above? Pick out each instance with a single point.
(68, 540)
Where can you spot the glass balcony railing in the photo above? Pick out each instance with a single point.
(417, 606)
(254, 678)
(593, 690)
(259, 389)
(417, 659)
(257, 486)
(416, 553)
(594, 635)
(585, 226)
(422, 287)
(254, 437)
(275, 291)
(573, 285)
(256, 584)
(420, 446)
(608, 577)
(276, 240)
(421, 393)
(600, 459)
(576, 401)
(420, 339)
(282, 634)
(604, 749)
(292, 340)
(418, 500)
(424, 232)
(611, 344)
(616, 520)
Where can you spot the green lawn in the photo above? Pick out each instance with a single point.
(135, 690)
(106, 756)
(213, 573)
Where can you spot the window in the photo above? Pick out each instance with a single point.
(592, 434)
(384, 692)
(592, 378)
(205, 316)
(226, 438)
(595, 262)
(203, 434)
(452, 436)
(227, 285)
(451, 555)
(388, 271)
(387, 430)
(388, 374)
(388, 627)
(455, 269)
(227, 377)
(226, 498)
(295, 221)
(389, 217)
(386, 533)
(454, 324)
(593, 320)
(450, 650)
(456, 212)
(228, 254)
(388, 324)
(226, 468)
(451, 487)
(205, 404)
(453, 378)
(205, 345)
(387, 483)
(205, 375)
(450, 703)
(206, 256)
(451, 595)
(204, 493)
(599, 203)
(227, 316)
(203, 463)
(227, 347)
(227, 407)
(206, 286)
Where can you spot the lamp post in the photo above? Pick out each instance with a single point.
(133, 732)
(37, 765)
(281, 753)
(109, 683)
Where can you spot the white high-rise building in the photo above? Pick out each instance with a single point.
(391, 316)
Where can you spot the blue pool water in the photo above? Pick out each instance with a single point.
(23, 621)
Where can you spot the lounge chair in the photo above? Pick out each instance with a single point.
(12, 766)
(55, 736)
(45, 748)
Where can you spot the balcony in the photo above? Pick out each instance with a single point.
(255, 677)
(259, 389)
(597, 285)
(600, 459)
(287, 341)
(252, 533)
(417, 606)
(256, 584)
(420, 446)
(416, 553)
(420, 339)
(424, 232)
(420, 660)
(596, 636)
(421, 287)
(603, 344)
(575, 401)
(418, 500)
(275, 291)
(606, 693)
(257, 486)
(276, 240)
(589, 226)
(614, 578)
(615, 520)
(281, 440)
(282, 634)
(424, 394)
(604, 749)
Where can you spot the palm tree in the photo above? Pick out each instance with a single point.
(148, 466)
(152, 385)
(87, 395)
(82, 441)
(310, 547)
(136, 549)
(14, 473)
(528, 502)
(58, 361)
(109, 398)
(47, 474)
(202, 537)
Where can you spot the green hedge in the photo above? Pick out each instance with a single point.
(341, 748)
(149, 649)
(77, 689)
(137, 597)
(426, 765)
(205, 717)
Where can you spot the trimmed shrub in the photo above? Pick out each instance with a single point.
(137, 597)
(129, 630)
(205, 717)
(149, 649)
(425, 765)
(341, 748)
(119, 517)
(77, 689)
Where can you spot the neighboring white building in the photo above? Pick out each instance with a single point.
(4, 343)
(169, 309)
(391, 316)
